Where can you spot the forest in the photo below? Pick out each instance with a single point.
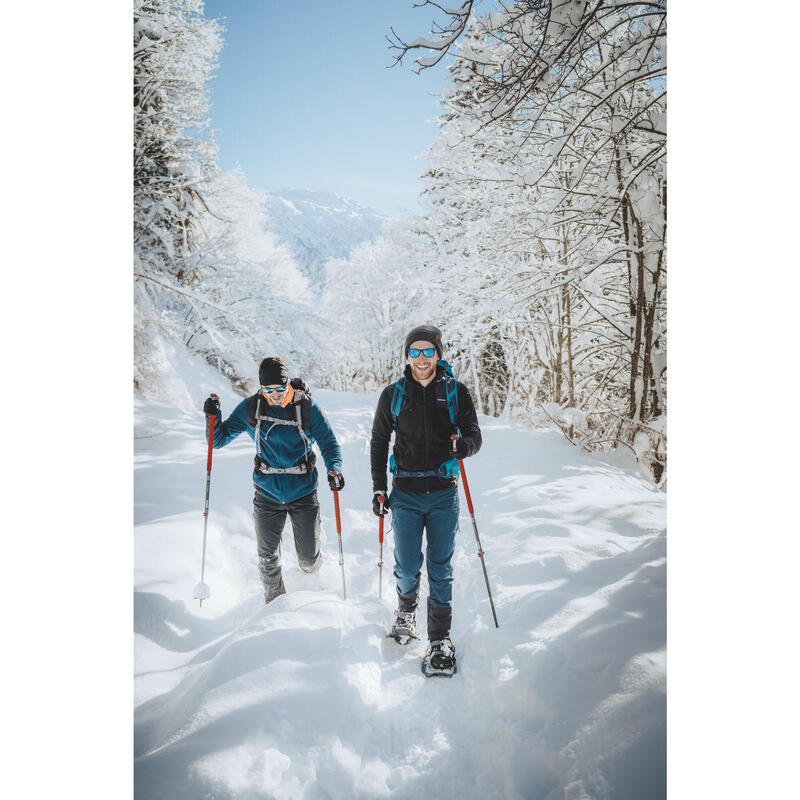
(541, 251)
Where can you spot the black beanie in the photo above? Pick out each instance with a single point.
(273, 370)
(425, 333)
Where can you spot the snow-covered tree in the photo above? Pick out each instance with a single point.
(208, 273)
(254, 300)
(370, 301)
(549, 172)
(175, 51)
(174, 157)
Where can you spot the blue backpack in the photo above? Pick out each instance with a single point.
(449, 468)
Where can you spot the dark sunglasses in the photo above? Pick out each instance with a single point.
(275, 389)
(428, 352)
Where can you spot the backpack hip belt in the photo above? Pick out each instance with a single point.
(303, 467)
(448, 469)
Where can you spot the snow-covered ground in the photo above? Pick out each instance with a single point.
(306, 698)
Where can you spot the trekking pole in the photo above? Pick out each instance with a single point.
(475, 528)
(380, 542)
(201, 591)
(339, 534)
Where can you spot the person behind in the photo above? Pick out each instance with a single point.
(425, 484)
(283, 421)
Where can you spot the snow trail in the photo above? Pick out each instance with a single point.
(306, 698)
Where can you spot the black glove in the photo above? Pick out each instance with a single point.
(461, 451)
(211, 406)
(376, 503)
(335, 481)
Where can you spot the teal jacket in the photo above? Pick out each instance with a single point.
(282, 448)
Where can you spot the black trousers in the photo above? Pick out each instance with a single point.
(270, 518)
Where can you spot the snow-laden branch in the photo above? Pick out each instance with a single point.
(193, 296)
(447, 35)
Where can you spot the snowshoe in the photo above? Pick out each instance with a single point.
(440, 659)
(404, 628)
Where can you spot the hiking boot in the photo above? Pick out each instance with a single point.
(404, 628)
(440, 658)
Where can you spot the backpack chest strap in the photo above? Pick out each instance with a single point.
(277, 420)
(296, 423)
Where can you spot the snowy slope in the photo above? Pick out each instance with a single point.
(317, 226)
(306, 698)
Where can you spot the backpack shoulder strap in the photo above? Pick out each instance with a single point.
(398, 397)
(450, 393)
(250, 407)
(303, 411)
(257, 415)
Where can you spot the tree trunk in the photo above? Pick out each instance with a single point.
(639, 310)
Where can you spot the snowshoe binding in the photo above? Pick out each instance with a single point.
(440, 660)
(404, 628)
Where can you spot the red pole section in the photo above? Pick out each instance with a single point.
(211, 421)
(338, 517)
(380, 552)
(466, 486)
(201, 591)
(339, 535)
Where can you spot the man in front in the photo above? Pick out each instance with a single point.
(284, 422)
(434, 421)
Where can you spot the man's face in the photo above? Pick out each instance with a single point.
(422, 367)
(275, 392)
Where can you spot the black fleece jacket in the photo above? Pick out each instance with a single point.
(423, 436)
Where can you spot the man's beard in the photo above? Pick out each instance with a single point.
(422, 372)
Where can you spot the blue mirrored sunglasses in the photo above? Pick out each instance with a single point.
(273, 389)
(428, 352)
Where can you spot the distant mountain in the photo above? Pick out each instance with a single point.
(317, 226)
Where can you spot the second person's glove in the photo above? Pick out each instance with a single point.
(462, 449)
(376, 503)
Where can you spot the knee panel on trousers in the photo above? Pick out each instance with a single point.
(310, 566)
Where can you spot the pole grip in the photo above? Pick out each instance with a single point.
(380, 521)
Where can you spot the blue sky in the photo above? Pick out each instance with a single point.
(303, 97)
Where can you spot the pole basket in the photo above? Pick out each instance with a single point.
(201, 591)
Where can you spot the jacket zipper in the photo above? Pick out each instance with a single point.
(425, 429)
(281, 478)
